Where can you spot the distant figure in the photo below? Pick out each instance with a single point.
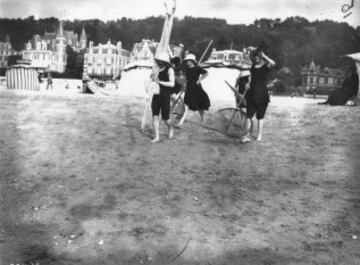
(39, 78)
(116, 79)
(314, 92)
(49, 82)
(85, 80)
(348, 90)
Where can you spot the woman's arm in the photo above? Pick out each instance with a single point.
(170, 83)
(247, 86)
(269, 61)
(202, 77)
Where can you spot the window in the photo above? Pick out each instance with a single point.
(326, 79)
(99, 60)
(232, 57)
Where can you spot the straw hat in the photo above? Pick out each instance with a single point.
(190, 57)
(163, 57)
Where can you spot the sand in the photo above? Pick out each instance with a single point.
(81, 184)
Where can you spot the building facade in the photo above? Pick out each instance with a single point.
(323, 81)
(6, 50)
(143, 53)
(229, 57)
(49, 52)
(105, 59)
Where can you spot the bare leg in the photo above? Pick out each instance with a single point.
(183, 116)
(170, 129)
(260, 126)
(246, 137)
(156, 129)
(202, 115)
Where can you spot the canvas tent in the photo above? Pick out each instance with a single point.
(22, 77)
(356, 58)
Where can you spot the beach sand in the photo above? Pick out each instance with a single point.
(81, 184)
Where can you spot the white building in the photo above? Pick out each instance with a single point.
(49, 52)
(143, 53)
(229, 57)
(6, 50)
(105, 59)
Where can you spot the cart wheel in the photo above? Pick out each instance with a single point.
(234, 121)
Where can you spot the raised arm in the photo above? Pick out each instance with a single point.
(269, 61)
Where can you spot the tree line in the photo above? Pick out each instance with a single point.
(293, 42)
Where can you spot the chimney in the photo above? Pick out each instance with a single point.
(119, 46)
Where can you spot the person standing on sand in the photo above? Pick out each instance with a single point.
(85, 80)
(195, 98)
(49, 82)
(161, 101)
(257, 97)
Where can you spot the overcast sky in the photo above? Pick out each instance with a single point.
(234, 11)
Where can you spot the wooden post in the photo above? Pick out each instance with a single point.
(162, 47)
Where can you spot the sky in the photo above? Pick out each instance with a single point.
(234, 11)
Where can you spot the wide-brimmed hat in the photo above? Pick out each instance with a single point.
(190, 57)
(163, 57)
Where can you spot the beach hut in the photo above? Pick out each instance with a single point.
(22, 77)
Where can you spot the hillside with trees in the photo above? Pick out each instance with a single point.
(293, 42)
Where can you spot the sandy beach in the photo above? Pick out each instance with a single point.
(81, 184)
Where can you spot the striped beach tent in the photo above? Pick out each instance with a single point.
(22, 77)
